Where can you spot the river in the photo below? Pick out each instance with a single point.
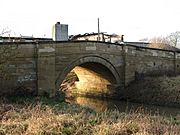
(101, 105)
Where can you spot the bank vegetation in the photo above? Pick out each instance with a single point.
(43, 116)
(164, 91)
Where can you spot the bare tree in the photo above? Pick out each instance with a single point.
(159, 40)
(5, 32)
(161, 43)
(174, 38)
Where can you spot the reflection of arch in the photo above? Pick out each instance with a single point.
(87, 59)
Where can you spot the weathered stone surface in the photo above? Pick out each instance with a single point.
(46, 69)
(43, 66)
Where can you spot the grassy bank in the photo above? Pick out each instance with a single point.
(156, 90)
(42, 116)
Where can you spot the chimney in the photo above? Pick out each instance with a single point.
(60, 32)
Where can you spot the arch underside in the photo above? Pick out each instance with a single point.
(94, 76)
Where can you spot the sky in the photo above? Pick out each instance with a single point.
(136, 19)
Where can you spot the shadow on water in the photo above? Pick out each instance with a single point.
(101, 105)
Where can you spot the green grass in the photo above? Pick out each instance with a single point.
(44, 116)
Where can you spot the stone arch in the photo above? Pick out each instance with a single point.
(99, 84)
(88, 59)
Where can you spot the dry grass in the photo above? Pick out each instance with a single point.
(42, 116)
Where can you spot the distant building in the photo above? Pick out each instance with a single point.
(103, 37)
(23, 39)
(60, 33)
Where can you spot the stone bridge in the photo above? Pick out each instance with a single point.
(101, 68)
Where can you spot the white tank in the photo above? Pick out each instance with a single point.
(60, 32)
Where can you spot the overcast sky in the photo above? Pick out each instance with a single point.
(136, 19)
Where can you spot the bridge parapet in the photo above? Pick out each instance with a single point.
(149, 62)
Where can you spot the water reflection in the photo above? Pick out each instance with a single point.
(104, 105)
